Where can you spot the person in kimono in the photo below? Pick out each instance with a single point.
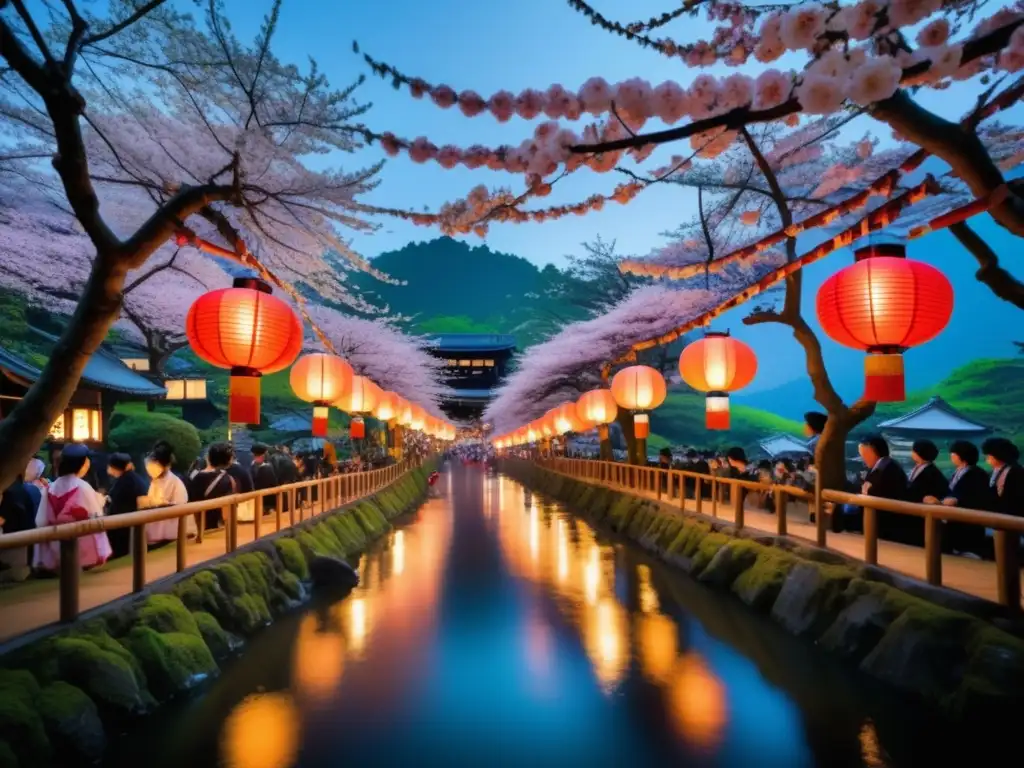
(127, 490)
(968, 488)
(924, 480)
(165, 489)
(1007, 482)
(69, 499)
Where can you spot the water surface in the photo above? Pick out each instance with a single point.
(494, 629)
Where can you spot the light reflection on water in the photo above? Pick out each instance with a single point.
(498, 630)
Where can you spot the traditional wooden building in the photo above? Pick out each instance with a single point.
(105, 381)
(475, 363)
(783, 446)
(937, 421)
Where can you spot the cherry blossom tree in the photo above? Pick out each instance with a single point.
(150, 125)
(393, 360)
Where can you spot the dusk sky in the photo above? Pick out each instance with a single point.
(534, 43)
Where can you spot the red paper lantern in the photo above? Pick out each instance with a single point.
(717, 364)
(885, 303)
(357, 428)
(639, 388)
(247, 330)
(597, 406)
(320, 379)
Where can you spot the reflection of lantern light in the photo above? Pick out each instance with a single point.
(534, 533)
(658, 649)
(592, 575)
(320, 379)
(563, 550)
(698, 702)
(883, 304)
(648, 597)
(717, 364)
(247, 330)
(358, 613)
(639, 388)
(398, 554)
(261, 732)
(318, 661)
(605, 635)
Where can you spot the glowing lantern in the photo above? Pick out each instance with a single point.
(884, 304)
(566, 419)
(597, 406)
(546, 424)
(247, 330)
(388, 406)
(320, 379)
(639, 388)
(405, 413)
(361, 398)
(532, 433)
(717, 364)
(419, 418)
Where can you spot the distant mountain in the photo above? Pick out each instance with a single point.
(452, 287)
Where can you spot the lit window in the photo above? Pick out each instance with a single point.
(136, 363)
(478, 363)
(452, 363)
(489, 363)
(57, 430)
(195, 389)
(464, 363)
(175, 389)
(85, 424)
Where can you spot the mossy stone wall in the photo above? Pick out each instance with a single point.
(955, 660)
(58, 694)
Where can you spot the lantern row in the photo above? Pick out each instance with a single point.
(249, 331)
(883, 304)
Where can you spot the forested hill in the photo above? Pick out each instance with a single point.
(454, 287)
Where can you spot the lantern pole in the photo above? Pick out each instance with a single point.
(605, 449)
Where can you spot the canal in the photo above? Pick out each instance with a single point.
(493, 628)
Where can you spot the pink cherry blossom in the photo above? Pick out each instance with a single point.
(865, 148)
(632, 97)
(802, 25)
(820, 94)
(421, 150)
(737, 91)
(557, 101)
(935, 32)
(704, 91)
(595, 96)
(874, 81)
(669, 102)
(529, 103)
(772, 88)
(1012, 57)
(449, 156)
(443, 96)
(864, 18)
(471, 104)
(475, 156)
(945, 60)
(390, 144)
(502, 105)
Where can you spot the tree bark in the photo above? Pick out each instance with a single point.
(625, 420)
(23, 431)
(1000, 282)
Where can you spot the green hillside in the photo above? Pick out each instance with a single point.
(680, 421)
(988, 391)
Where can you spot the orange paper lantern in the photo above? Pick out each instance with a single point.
(639, 388)
(566, 419)
(884, 304)
(388, 406)
(361, 397)
(597, 406)
(717, 364)
(247, 330)
(320, 379)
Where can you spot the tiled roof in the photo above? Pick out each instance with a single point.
(474, 342)
(935, 416)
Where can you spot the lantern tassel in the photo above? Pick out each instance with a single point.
(320, 413)
(244, 397)
(641, 426)
(883, 378)
(357, 429)
(716, 410)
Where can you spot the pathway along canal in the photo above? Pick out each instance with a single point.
(494, 629)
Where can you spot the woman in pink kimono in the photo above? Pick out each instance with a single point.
(69, 499)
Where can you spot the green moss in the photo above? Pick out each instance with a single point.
(20, 681)
(214, 635)
(291, 556)
(231, 579)
(759, 585)
(72, 721)
(258, 572)
(289, 583)
(21, 725)
(249, 613)
(706, 550)
(174, 662)
(167, 613)
(107, 677)
(729, 561)
(201, 592)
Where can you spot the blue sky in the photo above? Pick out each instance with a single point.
(534, 43)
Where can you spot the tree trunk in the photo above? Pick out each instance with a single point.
(605, 450)
(625, 420)
(23, 431)
(830, 454)
(1000, 282)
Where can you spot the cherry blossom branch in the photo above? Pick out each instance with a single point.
(1000, 282)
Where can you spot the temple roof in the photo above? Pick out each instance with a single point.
(781, 444)
(104, 371)
(935, 416)
(474, 342)
(469, 394)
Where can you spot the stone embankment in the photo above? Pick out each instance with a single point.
(60, 695)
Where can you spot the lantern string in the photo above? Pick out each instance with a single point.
(878, 219)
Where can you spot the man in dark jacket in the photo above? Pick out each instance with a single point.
(925, 480)
(263, 475)
(885, 480)
(968, 488)
(126, 488)
(214, 482)
(1007, 480)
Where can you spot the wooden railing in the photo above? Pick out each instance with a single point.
(670, 485)
(293, 504)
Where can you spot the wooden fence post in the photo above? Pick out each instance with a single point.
(138, 545)
(181, 556)
(933, 550)
(231, 535)
(69, 574)
(1008, 569)
(870, 536)
(781, 505)
(738, 497)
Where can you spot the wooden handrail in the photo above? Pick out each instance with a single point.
(664, 482)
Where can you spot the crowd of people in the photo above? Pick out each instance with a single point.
(73, 490)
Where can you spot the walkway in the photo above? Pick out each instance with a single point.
(974, 577)
(32, 604)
